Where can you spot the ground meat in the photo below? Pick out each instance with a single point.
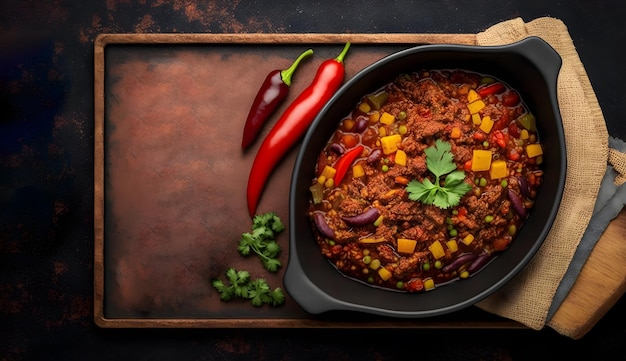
(425, 107)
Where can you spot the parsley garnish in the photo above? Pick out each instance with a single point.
(440, 161)
(262, 240)
(240, 285)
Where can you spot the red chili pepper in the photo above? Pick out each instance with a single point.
(293, 123)
(494, 88)
(342, 164)
(271, 94)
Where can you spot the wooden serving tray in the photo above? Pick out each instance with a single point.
(170, 180)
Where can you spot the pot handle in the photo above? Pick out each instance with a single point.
(542, 55)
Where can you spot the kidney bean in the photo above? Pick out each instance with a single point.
(458, 262)
(517, 203)
(361, 123)
(322, 226)
(374, 156)
(479, 262)
(369, 216)
(523, 186)
(338, 149)
(510, 98)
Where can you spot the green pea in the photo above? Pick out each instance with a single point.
(426, 266)
(483, 182)
(504, 183)
(438, 264)
(402, 115)
(385, 168)
(486, 144)
(331, 242)
(488, 218)
(453, 232)
(512, 230)
(400, 285)
(370, 279)
(367, 259)
(455, 212)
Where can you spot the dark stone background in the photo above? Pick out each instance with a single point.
(46, 173)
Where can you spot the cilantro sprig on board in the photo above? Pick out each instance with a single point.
(440, 161)
(239, 284)
(262, 240)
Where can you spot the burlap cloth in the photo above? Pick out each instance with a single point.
(530, 297)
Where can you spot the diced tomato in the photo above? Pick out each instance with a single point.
(414, 285)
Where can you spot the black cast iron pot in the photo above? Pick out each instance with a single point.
(530, 66)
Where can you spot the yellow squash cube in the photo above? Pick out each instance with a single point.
(472, 96)
(476, 106)
(390, 143)
(358, 171)
(387, 118)
(481, 160)
(384, 273)
(437, 250)
(533, 150)
(452, 245)
(467, 240)
(498, 169)
(400, 157)
(486, 124)
(406, 245)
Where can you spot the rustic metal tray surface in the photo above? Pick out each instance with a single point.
(170, 175)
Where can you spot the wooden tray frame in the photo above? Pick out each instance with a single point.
(582, 322)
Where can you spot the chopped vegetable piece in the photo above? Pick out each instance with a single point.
(343, 164)
(527, 121)
(533, 150)
(494, 88)
(358, 171)
(400, 158)
(429, 284)
(317, 194)
(452, 245)
(498, 169)
(377, 100)
(406, 245)
(372, 240)
(481, 160)
(455, 133)
(365, 107)
(476, 119)
(486, 124)
(476, 106)
(384, 273)
(374, 117)
(467, 240)
(472, 96)
(387, 118)
(390, 143)
(524, 134)
(328, 172)
(437, 250)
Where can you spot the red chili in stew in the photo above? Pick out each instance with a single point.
(377, 230)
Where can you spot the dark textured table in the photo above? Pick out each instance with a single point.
(46, 175)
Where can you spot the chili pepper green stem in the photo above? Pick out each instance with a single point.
(343, 53)
(286, 74)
